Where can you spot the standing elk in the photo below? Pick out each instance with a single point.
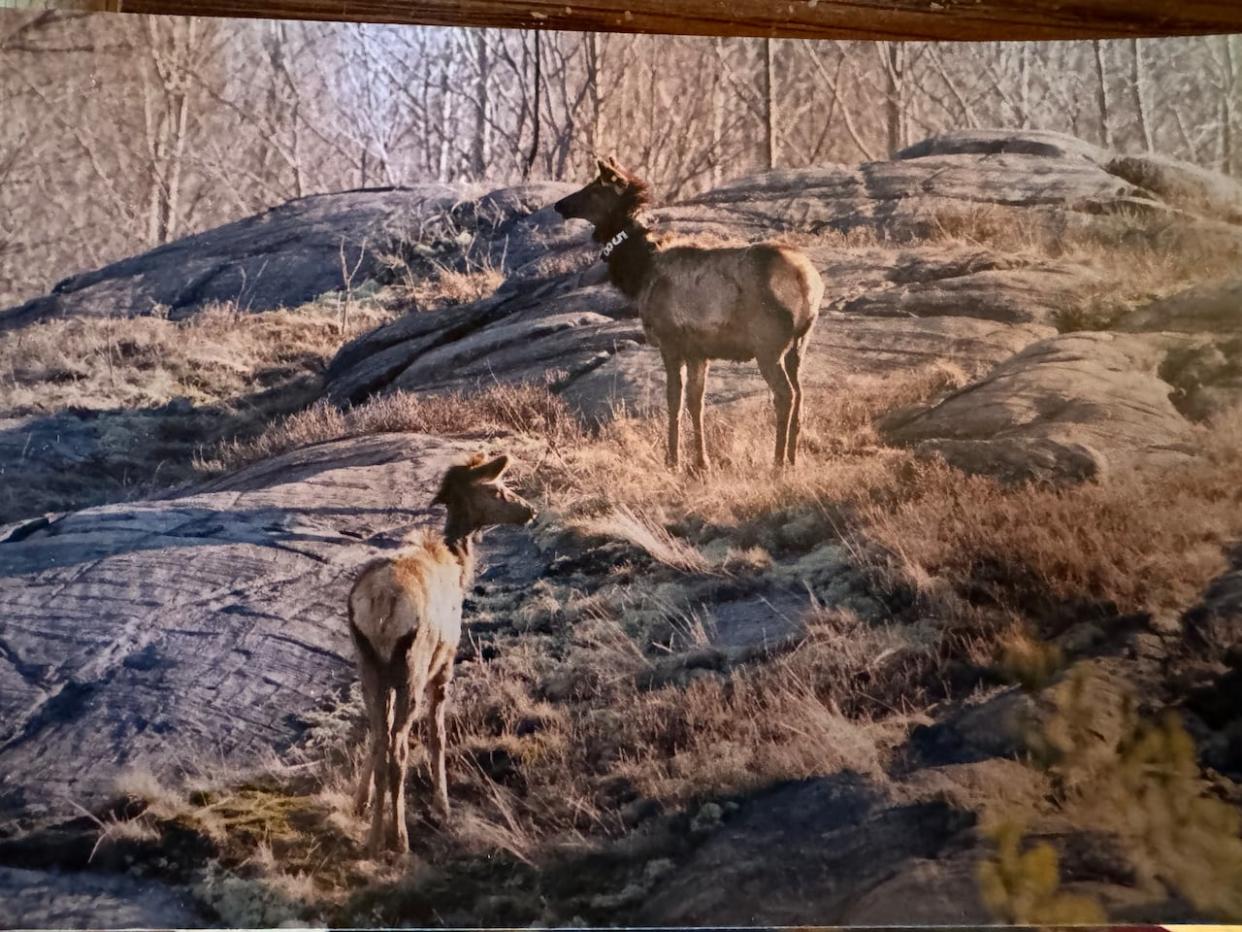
(697, 304)
(405, 619)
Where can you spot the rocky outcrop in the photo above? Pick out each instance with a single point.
(1071, 407)
(1215, 307)
(891, 239)
(42, 900)
(1076, 405)
(161, 634)
(809, 853)
(292, 254)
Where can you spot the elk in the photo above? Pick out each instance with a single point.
(405, 618)
(697, 304)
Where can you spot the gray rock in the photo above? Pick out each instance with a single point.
(291, 254)
(921, 892)
(1071, 407)
(974, 731)
(1012, 296)
(164, 634)
(1179, 184)
(1211, 308)
(800, 854)
(1205, 365)
(1214, 625)
(999, 142)
(42, 900)
(1185, 185)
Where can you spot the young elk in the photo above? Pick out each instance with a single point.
(405, 618)
(697, 304)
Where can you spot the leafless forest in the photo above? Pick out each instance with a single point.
(122, 133)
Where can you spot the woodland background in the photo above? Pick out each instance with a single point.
(121, 133)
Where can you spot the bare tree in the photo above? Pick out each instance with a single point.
(203, 121)
(1101, 94)
(770, 118)
(1138, 86)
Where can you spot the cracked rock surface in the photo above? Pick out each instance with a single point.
(169, 634)
(54, 900)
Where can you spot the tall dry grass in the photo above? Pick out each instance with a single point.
(1142, 541)
(220, 353)
(526, 409)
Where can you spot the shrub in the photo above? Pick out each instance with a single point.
(1023, 886)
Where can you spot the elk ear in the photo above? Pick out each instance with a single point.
(490, 472)
(602, 164)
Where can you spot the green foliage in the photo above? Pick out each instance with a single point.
(1023, 887)
(1191, 839)
(1090, 718)
(1030, 663)
(1139, 780)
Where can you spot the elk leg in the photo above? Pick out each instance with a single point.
(673, 369)
(793, 363)
(379, 765)
(696, 384)
(398, 763)
(375, 700)
(436, 695)
(782, 397)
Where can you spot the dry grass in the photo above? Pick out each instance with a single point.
(454, 287)
(572, 765)
(445, 287)
(1146, 541)
(500, 409)
(844, 464)
(145, 401)
(417, 269)
(561, 736)
(1138, 258)
(218, 354)
(135, 399)
(648, 536)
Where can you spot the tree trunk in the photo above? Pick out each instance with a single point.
(593, 69)
(894, 104)
(444, 167)
(1101, 95)
(171, 211)
(770, 115)
(479, 154)
(719, 99)
(1228, 111)
(1024, 86)
(1138, 84)
(535, 111)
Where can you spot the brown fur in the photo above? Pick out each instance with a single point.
(405, 620)
(697, 304)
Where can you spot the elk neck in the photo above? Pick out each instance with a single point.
(460, 540)
(628, 250)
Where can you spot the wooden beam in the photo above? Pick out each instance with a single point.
(808, 19)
